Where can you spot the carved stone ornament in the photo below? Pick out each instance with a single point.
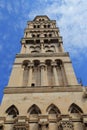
(66, 125)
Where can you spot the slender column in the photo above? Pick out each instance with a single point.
(23, 48)
(55, 74)
(30, 74)
(79, 126)
(42, 66)
(43, 125)
(46, 79)
(61, 46)
(63, 75)
(42, 47)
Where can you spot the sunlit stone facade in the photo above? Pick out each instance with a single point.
(43, 92)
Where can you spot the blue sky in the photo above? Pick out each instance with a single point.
(71, 16)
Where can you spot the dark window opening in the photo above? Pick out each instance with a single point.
(29, 41)
(48, 26)
(50, 35)
(38, 26)
(33, 35)
(32, 85)
(45, 35)
(54, 40)
(44, 26)
(46, 41)
(34, 26)
(38, 35)
(37, 41)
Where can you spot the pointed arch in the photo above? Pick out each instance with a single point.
(34, 109)
(12, 110)
(53, 109)
(75, 109)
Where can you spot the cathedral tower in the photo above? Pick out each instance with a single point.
(43, 92)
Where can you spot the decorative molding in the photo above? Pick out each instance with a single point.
(65, 54)
(42, 89)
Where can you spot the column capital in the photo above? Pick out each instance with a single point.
(53, 64)
(42, 64)
(67, 124)
(44, 123)
(31, 65)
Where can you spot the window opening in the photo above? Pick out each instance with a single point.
(32, 85)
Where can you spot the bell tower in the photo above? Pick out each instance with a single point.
(43, 92)
(43, 60)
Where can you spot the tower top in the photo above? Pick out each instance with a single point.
(41, 18)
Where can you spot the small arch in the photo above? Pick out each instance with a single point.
(46, 46)
(34, 109)
(48, 62)
(59, 62)
(45, 26)
(32, 47)
(34, 26)
(35, 51)
(53, 109)
(50, 35)
(25, 63)
(33, 35)
(38, 35)
(36, 62)
(49, 51)
(37, 47)
(75, 109)
(45, 35)
(12, 110)
(48, 25)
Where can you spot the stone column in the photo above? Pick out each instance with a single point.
(54, 65)
(42, 66)
(42, 47)
(23, 48)
(30, 74)
(63, 75)
(43, 125)
(46, 78)
(79, 126)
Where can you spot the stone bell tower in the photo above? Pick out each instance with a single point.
(43, 92)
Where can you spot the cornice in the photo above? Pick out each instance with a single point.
(65, 54)
(44, 89)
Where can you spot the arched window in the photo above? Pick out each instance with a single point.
(52, 109)
(45, 26)
(49, 73)
(35, 51)
(45, 35)
(36, 71)
(49, 51)
(34, 26)
(75, 109)
(49, 26)
(26, 72)
(13, 111)
(34, 109)
(33, 35)
(61, 73)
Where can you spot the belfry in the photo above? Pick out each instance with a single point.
(43, 92)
